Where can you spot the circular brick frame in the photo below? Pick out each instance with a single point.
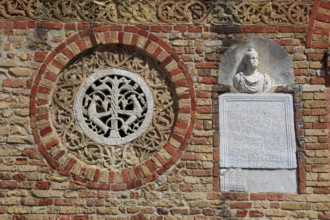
(50, 144)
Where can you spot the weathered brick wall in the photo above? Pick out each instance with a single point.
(189, 189)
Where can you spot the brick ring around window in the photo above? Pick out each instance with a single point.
(113, 118)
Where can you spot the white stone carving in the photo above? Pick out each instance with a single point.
(274, 62)
(251, 80)
(113, 106)
(257, 131)
(280, 181)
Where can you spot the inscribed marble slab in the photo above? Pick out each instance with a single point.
(257, 131)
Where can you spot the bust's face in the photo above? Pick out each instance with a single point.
(251, 60)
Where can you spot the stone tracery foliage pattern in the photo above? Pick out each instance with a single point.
(114, 106)
(220, 12)
(182, 11)
(125, 155)
(267, 12)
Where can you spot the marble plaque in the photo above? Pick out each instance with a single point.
(239, 180)
(257, 131)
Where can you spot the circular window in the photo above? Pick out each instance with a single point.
(113, 106)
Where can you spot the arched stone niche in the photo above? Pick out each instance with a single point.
(257, 124)
(273, 61)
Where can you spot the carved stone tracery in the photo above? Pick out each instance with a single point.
(113, 106)
(267, 12)
(221, 12)
(126, 154)
(182, 11)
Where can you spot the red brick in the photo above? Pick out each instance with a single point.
(40, 56)
(14, 83)
(241, 213)
(134, 40)
(135, 184)
(115, 27)
(320, 44)
(321, 191)
(51, 76)
(67, 52)
(19, 176)
(276, 197)
(59, 155)
(42, 185)
(284, 42)
(101, 28)
(259, 29)
(234, 196)
(70, 26)
(161, 28)
(241, 205)
(138, 171)
(50, 25)
(321, 31)
(8, 184)
(323, 18)
(316, 146)
(143, 26)
(20, 25)
(111, 177)
(45, 131)
(325, 5)
(258, 196)
(96, 175)
(45, 202)
(195, 28)
(118, 187)
(317, 80)
(64, 202)
(207, 65)
(315, 57)
(285, 29)
(125, 175)
(131, 29)
(21, 161)
(255, 213)
(150, 165)
(83, 26)
(208, 80)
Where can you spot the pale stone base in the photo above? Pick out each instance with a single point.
(280, 181)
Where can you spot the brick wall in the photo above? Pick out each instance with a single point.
(187, 185)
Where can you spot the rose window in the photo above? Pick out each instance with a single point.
(113, 107)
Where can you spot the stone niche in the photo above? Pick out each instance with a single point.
(257, 126)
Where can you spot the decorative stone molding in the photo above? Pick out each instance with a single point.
(266, 12)
(182, 11)
(136, 162)
(154, 11)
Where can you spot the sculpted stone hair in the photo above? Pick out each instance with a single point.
(249, 51)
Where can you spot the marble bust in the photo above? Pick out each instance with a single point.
(250, 80)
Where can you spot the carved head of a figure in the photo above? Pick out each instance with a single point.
(251, 58)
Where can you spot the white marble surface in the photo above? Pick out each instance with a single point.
(257, 131)
(239, 180)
